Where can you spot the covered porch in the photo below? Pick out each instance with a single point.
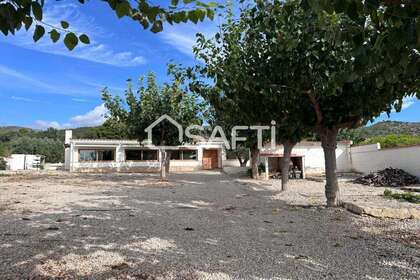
(273, 165)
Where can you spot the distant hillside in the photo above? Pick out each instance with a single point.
(385, 128)
(391, 127)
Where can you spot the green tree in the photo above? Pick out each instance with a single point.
(52, 149)
(379, 67)
(346, 70)
(141, 108)
(18, 14)
(247, 82)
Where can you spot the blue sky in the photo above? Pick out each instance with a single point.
(43, 84)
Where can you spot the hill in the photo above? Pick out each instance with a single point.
(384, 128)
(391, 127)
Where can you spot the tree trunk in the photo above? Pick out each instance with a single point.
(329, 145)
(255, 153)
(285, 163)
(167, 161)
(164, 165)
(242, 162)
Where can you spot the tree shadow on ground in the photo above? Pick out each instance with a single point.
(197, 226)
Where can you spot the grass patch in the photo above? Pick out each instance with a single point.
(407, 196)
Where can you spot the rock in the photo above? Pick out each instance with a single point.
(384, 212)
(119, 266)
(52, 228)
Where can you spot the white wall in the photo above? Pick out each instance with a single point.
(369, 158)
(314, 156)
(23, 162)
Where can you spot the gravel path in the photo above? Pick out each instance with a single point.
(198, 226)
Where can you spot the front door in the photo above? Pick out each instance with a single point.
(210, 159)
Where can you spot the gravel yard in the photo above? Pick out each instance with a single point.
(203, 225)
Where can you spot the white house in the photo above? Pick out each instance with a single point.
(86, 155)
(100, 155)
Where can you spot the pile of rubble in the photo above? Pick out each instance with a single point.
(389, 177)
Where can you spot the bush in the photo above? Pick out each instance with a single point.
(408, 196)
(393, 140)
(52, 149)
(2, 164)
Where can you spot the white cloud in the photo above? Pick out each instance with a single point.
(183, 37)
(94, 117)
(79, 23)
(6, 71)
(26, 81)
(80, 100)
(408, 102)
(24, 99)
(91, 118)
(40, 124)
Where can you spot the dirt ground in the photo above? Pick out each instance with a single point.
(203, 225)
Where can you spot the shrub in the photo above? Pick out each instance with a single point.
(393, 140)
(2, 164)
(408, 196)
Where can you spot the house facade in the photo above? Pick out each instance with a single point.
(102, 155)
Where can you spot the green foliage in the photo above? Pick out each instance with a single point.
(393, 140)
(2, 164)
(49, 142)
(150, 101)
(406, 196)
(241, 153)
(53, 150)
(242, 63)
(354, 135)
(380, 37)
(17, 13)
(383, 129)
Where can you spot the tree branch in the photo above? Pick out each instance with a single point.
(353, 123)
(316, 106)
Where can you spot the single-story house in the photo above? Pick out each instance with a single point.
(99, 155)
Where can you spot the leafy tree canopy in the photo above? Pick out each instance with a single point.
(18, 14)
(143, 106)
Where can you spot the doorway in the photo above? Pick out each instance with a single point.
(210, 159)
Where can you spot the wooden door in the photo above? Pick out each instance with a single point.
(210, 159)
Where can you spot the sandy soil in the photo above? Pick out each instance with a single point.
(204, 225)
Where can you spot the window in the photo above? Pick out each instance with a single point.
(189, 155)
(175, 154)
(87, 155)
(150, 155)
(132, 154)
(96, 155)
(106, 155)
(183, 154)
(141, 155)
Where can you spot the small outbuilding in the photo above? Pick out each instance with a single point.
(16, 162)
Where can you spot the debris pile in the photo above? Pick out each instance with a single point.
(389, 177)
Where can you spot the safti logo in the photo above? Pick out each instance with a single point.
(216, 130)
